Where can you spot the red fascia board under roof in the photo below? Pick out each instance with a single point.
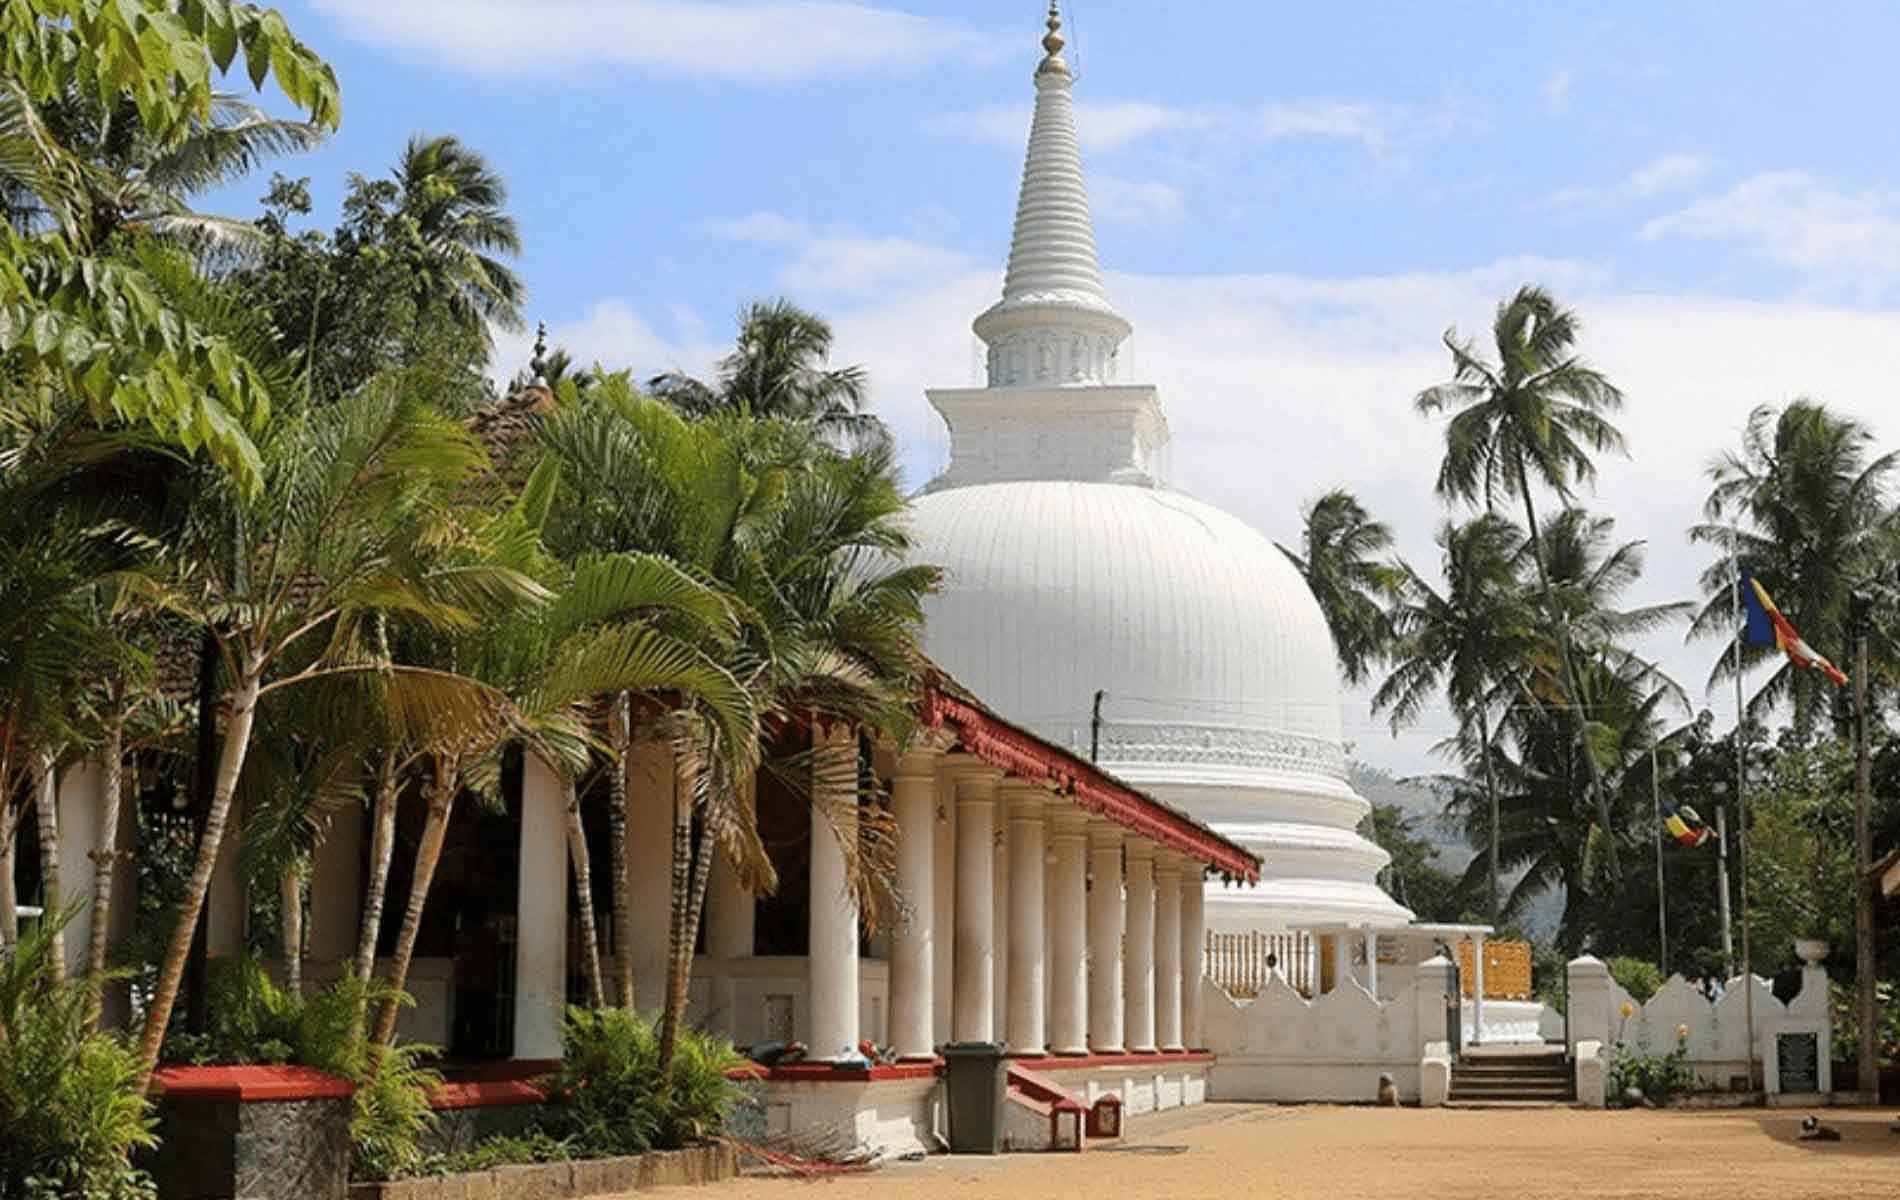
(994, 740)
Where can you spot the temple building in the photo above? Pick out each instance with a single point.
(1094, 605)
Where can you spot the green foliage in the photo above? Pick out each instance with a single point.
(71, 1110)
(1656, 1076)
(392, 1113)
(611, 1095)
(1639, 978)
(253, 1020)
(1846, 1007)
(1801, 852)
(499, 1151)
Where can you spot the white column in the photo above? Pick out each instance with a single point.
(1477, 989)
(974, 1018)
(80, 799)
(1138, 948)
(1168, 951)
(649, 867)
(1193, 955)
(913, 941)
(1105, 938)
(336, 887)
(541, 914)
(999, 914)
(731, 914)
(1026, 963)
(1068, 930)
(833, 961)
(1372, 962)
(944, 881)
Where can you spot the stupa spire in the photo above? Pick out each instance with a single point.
(1054, 325)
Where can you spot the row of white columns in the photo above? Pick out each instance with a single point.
(1034, 941)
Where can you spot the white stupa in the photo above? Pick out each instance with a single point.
(1072, 569)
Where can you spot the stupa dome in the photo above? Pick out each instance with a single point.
(1070, 569)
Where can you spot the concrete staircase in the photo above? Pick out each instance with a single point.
(1512, 1075)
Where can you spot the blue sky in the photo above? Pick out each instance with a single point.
(1293, 202)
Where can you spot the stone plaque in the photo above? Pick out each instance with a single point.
(1797, 1062)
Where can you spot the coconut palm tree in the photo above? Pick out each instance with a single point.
(1537, 412)
(777, 370)
(1468, 640)
(1806, 505)
(456, 202)
(1339, 549)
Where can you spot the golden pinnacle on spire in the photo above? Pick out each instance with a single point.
(1053, 42)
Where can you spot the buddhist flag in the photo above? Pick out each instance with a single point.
(1685, 826)
(1767, 627)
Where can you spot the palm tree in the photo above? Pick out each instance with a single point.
(1805, 506)
(1337, 557)
(456, 201)
(777, 370)
(1538, 411)
(1469, 640)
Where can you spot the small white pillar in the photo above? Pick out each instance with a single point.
(541, 914)
(1167, 956)
(1068, 930)
(649, 868)
(999, 913)
(913, 941)
(1105, 938)
(1372, 962)
(731, 914)
(80, 799)
(975, 976)
(833, 961)
(1477, 989)
(336, 888)
(1026, 884)
(1193, 955)
(1138, 948)
(944, 883)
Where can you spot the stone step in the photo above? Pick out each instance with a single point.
(1547, 1095)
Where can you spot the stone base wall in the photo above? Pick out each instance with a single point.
(565, 1180)
(256, 1150)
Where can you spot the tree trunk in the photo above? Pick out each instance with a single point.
(382, 847)
(428, 856)
(1491, 801)
(584, 889)
(290, 895)
(682, 979)
(52, 896)
(237, 742)
(9, 898)
(105, 860)
(679, 951)
(620, 826)
(1574, 699)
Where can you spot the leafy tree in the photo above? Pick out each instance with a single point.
(1414, 877)
(1339, 554)
(1538, 411)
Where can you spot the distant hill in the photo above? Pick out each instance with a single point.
(1380, 786)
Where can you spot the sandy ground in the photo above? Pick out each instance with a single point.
(1247, 1152)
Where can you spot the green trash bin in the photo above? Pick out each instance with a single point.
(974, 1082)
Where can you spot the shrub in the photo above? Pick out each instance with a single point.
(498, 1151)
(70, 1106)
(1639, 978)
(253, 1020)
(611, 1097)
(1657, 1076)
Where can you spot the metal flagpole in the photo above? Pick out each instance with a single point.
(1741, 815)
(1662, 903)
(1721, 890)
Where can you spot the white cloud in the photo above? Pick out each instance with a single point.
(843, 263)
(1135, 201)
(1556, 91)
(777, 40)
(614, 335)
(1799, 221)
(1664, 173)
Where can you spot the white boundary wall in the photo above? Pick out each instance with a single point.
(1283, 1047)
